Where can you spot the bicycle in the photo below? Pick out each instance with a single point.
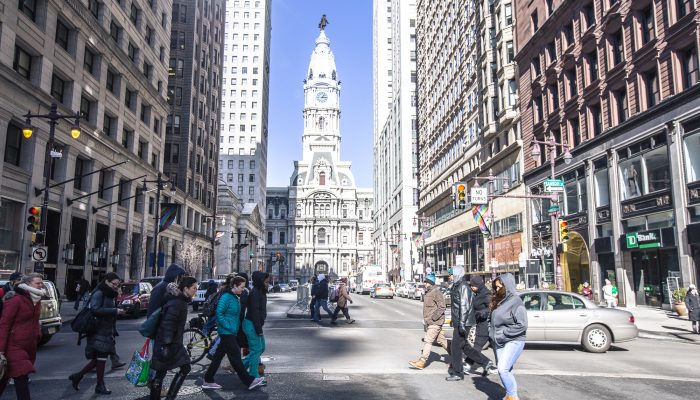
(196, 342)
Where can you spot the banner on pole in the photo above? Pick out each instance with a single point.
(480, 213)
(168, 214)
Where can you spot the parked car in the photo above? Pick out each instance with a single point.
(280, 288)
(153, 280)
(445, 293)
(199, 298)
(402, 290)
(382, 290)
(293, 284)
(134, 297)
(568, 318)
(50, 318)
(416, 291)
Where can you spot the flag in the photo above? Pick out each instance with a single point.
(168, 213)
(395, 249)
(480, 213)
(417, 238)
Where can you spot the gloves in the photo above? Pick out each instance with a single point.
(461, 330)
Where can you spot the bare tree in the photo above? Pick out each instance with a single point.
(192, 257)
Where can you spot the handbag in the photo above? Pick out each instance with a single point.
(149, 327)
(140, 366)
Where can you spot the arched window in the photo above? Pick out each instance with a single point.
(321, 237)
(322, 179)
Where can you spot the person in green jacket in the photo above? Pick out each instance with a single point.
(228, 312)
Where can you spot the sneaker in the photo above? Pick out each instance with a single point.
(211, 385)
(256, 382)
(352, 321)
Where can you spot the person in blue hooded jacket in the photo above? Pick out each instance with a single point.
(172, 275)
(507, 330)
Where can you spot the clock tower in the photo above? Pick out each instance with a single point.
(321, 102)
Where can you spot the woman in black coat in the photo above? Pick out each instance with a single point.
(168, 350)
(692, 303)
(101, 344)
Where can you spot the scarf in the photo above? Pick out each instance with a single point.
(35, 294)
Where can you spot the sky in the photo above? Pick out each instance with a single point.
(294, 31)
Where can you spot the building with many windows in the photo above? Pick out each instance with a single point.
(617, 82)
(244, 107)
(109, 62)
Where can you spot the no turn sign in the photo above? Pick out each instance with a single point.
(39, 254)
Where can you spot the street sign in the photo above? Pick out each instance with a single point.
(553, 209)
(39, 253)
(553, 185)
(428, 270)
(479, 196)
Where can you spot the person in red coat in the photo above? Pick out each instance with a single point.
(20, 332)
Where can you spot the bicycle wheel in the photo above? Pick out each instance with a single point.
(196, 343)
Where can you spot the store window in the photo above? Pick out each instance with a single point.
(644, 168)
(648, 222)
(601, 182)
(691, 150)
(576, 189)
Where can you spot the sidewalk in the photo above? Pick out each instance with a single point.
(655, 323)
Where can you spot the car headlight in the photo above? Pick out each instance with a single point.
(126, 302)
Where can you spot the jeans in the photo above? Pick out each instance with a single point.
(207, 326)
(256, 346)
(317, 309)
(228, 347)
(507, 356)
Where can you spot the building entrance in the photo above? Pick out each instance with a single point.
(575, 263)
(651, 268)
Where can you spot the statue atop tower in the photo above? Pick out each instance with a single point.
(323, 23)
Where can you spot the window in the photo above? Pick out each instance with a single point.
(126, 137)
(508, 12)
(651, 83)
(589, 15)
(114, 31)
(252, 164)
(534, 22)
(322, 179)
(621, 105)
(251, 178)
(133, 52)
(684, 7)
(28, 8)
(13, 145)
(557, 302)
(510, 54)
(130, 99)
(240, 177)
(251, 190)
(537, 109)
(58, 88)
(90, 61)
(575, 131)
(22, 63)
(134, 13)
(108, 124)
(282, 238)
(689, 60)
(62, 34)
(592, 59)
(241, 164)
(596, 119)
(85, 108)
(81, 168)
(94, 7)
(617, 43)
(229, 177)
(269, 235)
(321, 236)
(571, 81)
(554, 97)
(643, 169)
(149, 35)
(647, 23)
(600, 181)
(569, 34)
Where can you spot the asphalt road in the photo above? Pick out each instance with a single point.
(368, 360)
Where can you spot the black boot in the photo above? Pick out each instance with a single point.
(102, 389)
(155, 386)
(75, 380)
(175, 385)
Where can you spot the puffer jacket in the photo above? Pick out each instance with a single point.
(228, 313)
(20, 332)
(168, 351)
(103, 306)
(434, 307)
(256, 311)
(509, 319)
(160, 290)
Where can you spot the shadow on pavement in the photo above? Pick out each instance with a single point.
(493, 390)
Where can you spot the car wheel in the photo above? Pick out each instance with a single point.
(44, 339)
(195, 306)
(596, 339)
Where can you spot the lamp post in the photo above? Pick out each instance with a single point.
(240, 246)
(160, 184)
(53, 117)
(551, 145)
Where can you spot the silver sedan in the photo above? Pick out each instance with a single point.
(567, 318)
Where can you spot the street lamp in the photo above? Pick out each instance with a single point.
(27, 131)
(160, 184)
(551, 145)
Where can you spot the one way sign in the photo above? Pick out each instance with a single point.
(39, 253)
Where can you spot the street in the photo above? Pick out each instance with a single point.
(368, 360)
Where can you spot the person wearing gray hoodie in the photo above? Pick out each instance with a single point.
(507, 330)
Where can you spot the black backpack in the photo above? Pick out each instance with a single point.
(85, 323)
(209, 306)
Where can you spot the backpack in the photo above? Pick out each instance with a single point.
(85, 322)
(149, 327)
(209, 306)
(335, 294)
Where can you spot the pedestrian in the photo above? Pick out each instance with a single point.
(15, 279)
(342, 304)
(212, 290)
(172, 275)
(480, 307)
(256, 312)
(608, 294)
(312, 292)
(20, 332)
(321, 298)
(228, 316)
(692, 303)
(586, 291)
(507, 330)
(100, 342)
(114, 358)
(433, 318)
(82, 287)
(168, 350)
(461, 321)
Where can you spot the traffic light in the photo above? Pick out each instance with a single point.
(34, 219)
(459, 196)
(563, 231)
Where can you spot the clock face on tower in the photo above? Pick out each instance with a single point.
(321, 97)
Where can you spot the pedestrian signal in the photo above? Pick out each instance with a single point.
(34, 219)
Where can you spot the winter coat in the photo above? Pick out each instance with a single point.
(480, 302)
(343, 296)
(322, 290)
(509, 319)
(692, 303)
(434, 307)
(157, 298)
(20, 332)
(168, 351)
(103, 306)
(228, 313)
(256, 311)
(587, 292)
(461, 304)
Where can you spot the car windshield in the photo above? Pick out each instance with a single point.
(283, 285)
(382, 285)
(130, 288)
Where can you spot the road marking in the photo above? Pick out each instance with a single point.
(336, 377)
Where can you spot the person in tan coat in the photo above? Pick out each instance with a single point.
(342, 305)
(433, 318)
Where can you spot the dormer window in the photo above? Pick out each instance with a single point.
(322, 179)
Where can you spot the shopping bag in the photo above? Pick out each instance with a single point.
(140, 365)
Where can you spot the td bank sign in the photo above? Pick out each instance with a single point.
(643, 240)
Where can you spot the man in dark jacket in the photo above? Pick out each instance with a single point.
(81, 287)
(314, 290)
(256, 313)
(172, 275)
(461, 321)
(321, 298)
(15, 279)
(480, 313)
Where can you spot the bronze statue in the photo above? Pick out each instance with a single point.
(323, 23)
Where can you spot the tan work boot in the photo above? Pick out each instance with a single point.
(418, 364)
(511, 398)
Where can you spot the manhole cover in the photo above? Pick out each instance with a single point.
(336, 377)
(187, 390)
